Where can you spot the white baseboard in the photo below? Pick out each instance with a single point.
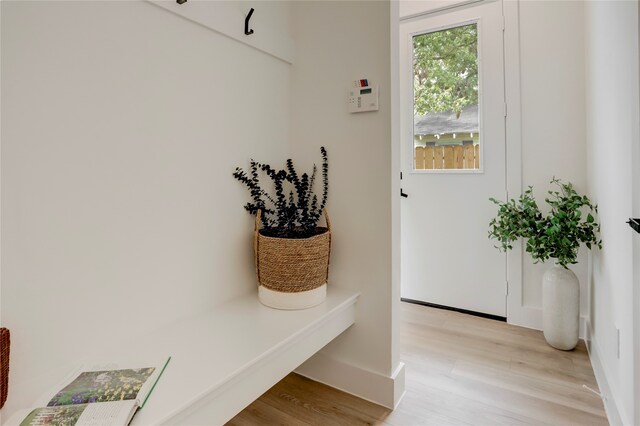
(610, 407)
(531, 317)
(375, 387)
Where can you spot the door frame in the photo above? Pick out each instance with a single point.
(635, 196)
(516, 312)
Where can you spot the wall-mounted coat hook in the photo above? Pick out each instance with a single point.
(247, 31)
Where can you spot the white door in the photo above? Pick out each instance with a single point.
(453, 158)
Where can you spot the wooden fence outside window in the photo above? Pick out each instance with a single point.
(447, 157)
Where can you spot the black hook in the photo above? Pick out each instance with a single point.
(247, 31)
(181, 1)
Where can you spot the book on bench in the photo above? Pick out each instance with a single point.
(101, 395)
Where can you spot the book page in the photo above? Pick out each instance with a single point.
(101, 414)
(108, 413)
(102, 386)
(110, 382)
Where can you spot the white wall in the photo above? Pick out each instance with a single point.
(611, 39)
(335, 46)
(270, 22)
(122, 124)
(553, 116)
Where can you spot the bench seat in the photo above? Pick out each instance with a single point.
(224, 360)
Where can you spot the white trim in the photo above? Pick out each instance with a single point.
(517, 313)
(227, 19)
(610, 407)
(531, 317)
(395, 182)
(459, 24)
(444, 171)
(636, 322)
(398, 378)
(443, 9)
(369, 385)
(635, 282)
(635, 189)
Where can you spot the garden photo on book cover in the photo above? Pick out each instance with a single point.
(103, 386)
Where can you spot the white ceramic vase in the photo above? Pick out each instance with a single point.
(560, 307)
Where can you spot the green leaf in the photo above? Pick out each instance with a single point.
(555, 235)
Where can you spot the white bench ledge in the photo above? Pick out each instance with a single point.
(223, 360)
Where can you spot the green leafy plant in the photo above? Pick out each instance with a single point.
(558, 234)
(294, 210)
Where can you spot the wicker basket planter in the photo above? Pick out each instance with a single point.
(292, 272)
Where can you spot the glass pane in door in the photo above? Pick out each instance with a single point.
(446, 125)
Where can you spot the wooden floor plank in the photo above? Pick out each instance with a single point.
(261, 413)
(460, 370)
(317, 402)
(566, 394)
(515, 403)
(460, 409)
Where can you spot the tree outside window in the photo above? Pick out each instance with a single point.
(446, 70)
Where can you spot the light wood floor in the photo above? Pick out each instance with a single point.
(460, 369)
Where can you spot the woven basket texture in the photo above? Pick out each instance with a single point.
(4, 365)
(292, 265)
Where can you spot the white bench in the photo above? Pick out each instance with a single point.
(224, 360)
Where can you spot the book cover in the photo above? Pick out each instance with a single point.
(99, 396)
(103, 386)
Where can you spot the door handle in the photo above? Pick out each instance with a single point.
(633, 223)
(402, 194)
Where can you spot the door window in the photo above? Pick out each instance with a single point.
(446, 119)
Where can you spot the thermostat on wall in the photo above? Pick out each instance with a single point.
(363, 97)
